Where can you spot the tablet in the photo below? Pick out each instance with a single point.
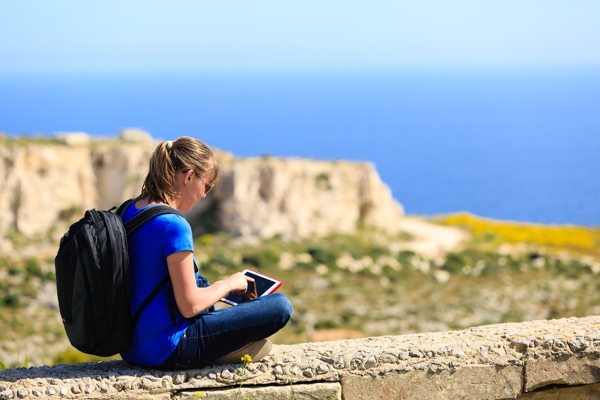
(264, 285)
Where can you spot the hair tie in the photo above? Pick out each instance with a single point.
(169, 144)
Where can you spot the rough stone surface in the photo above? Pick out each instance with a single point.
(494, 360)
(569, 370)
(585, 392)
(314, 391)
(472, 382)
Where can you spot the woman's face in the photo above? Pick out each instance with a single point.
(194, 188)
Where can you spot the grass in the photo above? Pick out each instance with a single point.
(16, 365)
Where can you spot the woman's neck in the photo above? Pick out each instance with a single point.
(147, 201)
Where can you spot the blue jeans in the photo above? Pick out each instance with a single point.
(217, 333)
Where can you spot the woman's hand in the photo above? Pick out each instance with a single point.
(239, 283)
(192, 300)
(251, 293)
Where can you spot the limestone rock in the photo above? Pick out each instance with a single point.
(41, 186)
(135, 135)
(44, 188)
(74, 138)
(297, 198)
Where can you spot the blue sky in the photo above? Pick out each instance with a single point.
(185, 35)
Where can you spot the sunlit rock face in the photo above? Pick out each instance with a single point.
(42, 185)
(45, 187)
(297, 198)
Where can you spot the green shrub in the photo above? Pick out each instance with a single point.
(391, 273)
(322, 181)
(261, 258)
(455, 262)
(327, 324)
(404, 257)
(68, 214)
(220, 258)
(51, 276)
(323, 255)
(347, 315)
(311, 266)
(14, 270)
(32, 267)
(12, 300)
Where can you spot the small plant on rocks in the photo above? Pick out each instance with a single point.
(246, 359)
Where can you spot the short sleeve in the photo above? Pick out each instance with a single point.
(177, 235)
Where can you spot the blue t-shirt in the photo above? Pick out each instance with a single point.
(155, 336)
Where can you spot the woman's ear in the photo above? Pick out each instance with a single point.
(189, 175)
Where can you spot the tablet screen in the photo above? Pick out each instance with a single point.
(264, 285)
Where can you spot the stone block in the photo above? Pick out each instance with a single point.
(582, 392)
(312, 391)
(569, 370)
(475, 382)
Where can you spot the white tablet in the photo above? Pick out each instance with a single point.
(264, 285)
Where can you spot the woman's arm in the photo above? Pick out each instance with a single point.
(192, 300)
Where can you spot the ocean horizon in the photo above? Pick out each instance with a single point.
(512, 144)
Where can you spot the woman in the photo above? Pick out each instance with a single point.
(190, 334)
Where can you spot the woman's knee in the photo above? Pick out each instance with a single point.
(282, 305)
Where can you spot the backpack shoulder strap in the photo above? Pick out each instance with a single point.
(146, 215)
(151, 297)
(123, 207)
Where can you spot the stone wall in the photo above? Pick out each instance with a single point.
(44, 187)
(556, 359)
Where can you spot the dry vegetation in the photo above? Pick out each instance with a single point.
(360, 285)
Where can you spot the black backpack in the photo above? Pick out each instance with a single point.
(92, 279)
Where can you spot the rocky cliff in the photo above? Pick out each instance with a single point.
(44, 186)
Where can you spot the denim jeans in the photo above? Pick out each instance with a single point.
(217, 333)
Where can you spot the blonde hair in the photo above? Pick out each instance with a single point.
(170, 158)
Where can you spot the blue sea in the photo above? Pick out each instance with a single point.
(516, 144)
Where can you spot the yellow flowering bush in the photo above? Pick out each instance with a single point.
(579, 239)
